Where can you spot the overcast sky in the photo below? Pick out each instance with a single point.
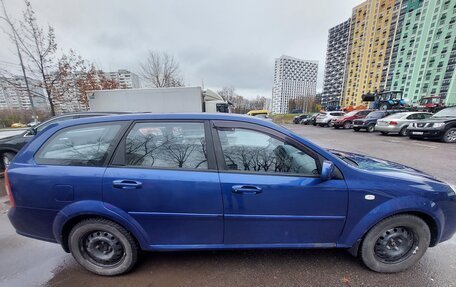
(224, 43)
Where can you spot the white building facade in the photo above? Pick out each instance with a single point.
(293, 78)
(14, 95)
(125, 78)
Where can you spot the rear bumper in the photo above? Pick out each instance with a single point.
(34, 223)
(425, 133)
(388, 129)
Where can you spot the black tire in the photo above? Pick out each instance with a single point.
(371, 128)
(395, 244)
(449, 136)
(384, 133)
(85, 240)
(347, 125)
(356, 129)
(403, 132)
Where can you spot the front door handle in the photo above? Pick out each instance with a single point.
(126, 184)
(246, 189)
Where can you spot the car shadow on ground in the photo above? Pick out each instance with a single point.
(243, 268)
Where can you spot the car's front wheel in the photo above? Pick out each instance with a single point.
(395, 243)
(103, 247)
(450, 136)
(347, 125)
(7, 157)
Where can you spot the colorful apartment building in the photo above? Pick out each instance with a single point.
(426, 57)
(370, 32)
(402, 45)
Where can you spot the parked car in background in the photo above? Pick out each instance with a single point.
(346, 121)
(33, 123)
(9, 146)
(398, 123)
(440, 126)
(309, 120)
(107, 187)
(18, 125)
(299, 118)
(263, 117)
(368, 123)
(325, 118)
(313, 119)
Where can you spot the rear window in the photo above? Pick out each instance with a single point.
(83, 145)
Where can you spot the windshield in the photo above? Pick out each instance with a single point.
(375, 115)
(450, 112)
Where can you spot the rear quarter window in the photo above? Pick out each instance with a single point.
(83, 145)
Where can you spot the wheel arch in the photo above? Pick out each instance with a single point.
(68, 217)
(428, 211)
(431, 223)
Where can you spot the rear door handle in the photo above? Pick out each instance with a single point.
(246, 189)
(126, 184)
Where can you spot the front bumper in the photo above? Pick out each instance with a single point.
(425, 133)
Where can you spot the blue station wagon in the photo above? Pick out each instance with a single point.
(106, 188)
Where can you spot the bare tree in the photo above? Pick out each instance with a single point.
(161, 70)
(240, 104)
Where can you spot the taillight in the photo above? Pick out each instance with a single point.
(392, 123)
(8, 189)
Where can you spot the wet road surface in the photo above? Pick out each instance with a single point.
(28, 262)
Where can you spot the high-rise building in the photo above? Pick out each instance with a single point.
(14, 95)
(293, 78)
(336, 60)
(125, 78)
(426, 56)
(369, 34)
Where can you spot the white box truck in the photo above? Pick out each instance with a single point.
(157, 100)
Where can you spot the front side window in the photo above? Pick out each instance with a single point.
(166, 145)
(252, 151)
(84, 145)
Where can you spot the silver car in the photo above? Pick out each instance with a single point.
(398, 123)
(324, 119)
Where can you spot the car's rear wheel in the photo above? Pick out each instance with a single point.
(403, 132)
(347, 125)
(371, 128)
(395, 243)
(450, 136)
(103, 247)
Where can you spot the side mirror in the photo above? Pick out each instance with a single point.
(31, 132)
(327, 170)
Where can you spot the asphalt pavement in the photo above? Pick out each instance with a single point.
(29, 262)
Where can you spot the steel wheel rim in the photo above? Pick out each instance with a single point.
(451, 136)
(396, 245)
(102, 248)
(370, 128)
(6, 161)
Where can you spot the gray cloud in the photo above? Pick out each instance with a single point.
(221, 42)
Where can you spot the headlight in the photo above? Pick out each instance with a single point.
(438, 125)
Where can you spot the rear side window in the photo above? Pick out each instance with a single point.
(83, 145)
(166, 145)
